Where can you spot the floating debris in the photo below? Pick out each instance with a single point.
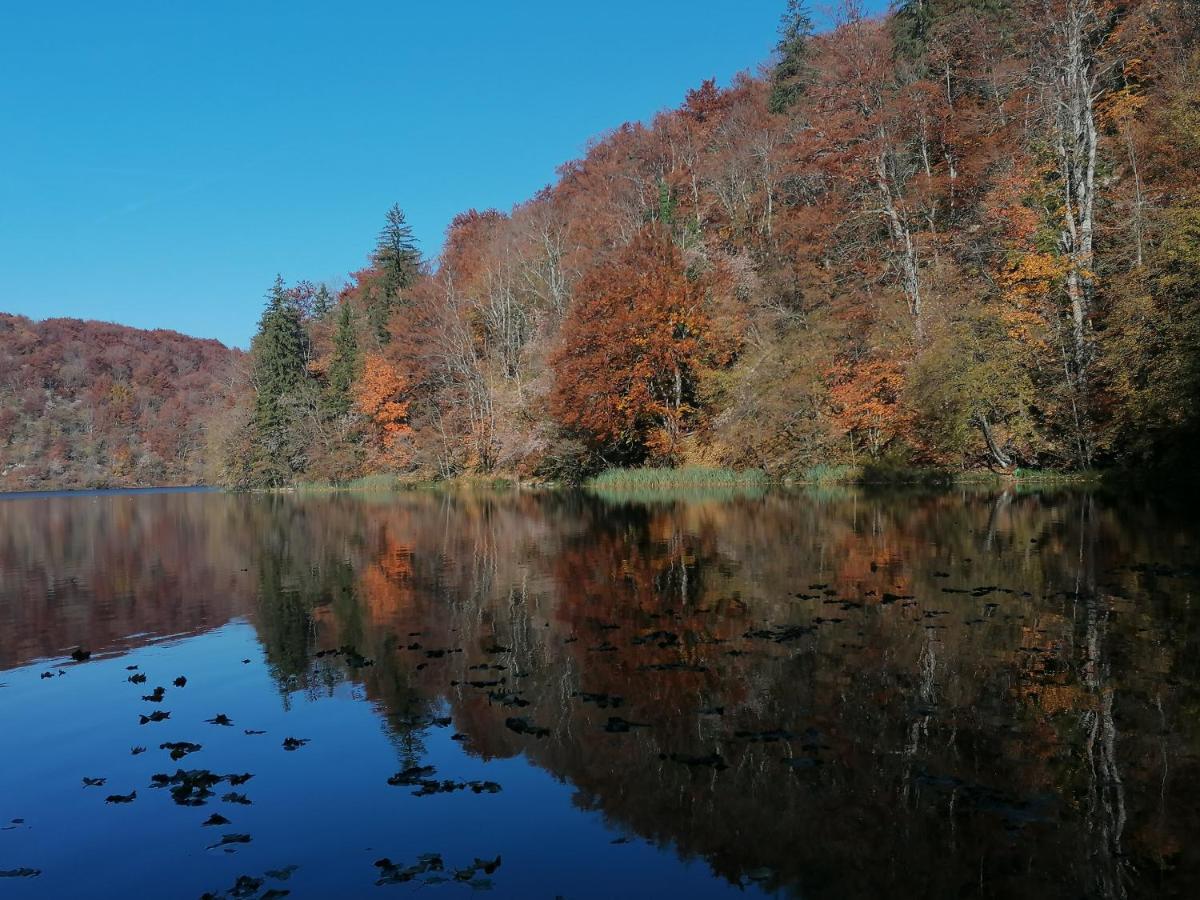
(220, 719)
(781, 634)
(180, 749)
(252, 731)
(617, 725)
(216, 819)
(764, 737)
(155, 696)
(136, 751)
(661, 639)
(604, 701)
(157, 716)
(227, 839)
(238, 780)
(20, 873)
(81, 655)
(390, 873)
(523, 726)
(190, 787)
(181, 681)
(137, 678)
(674, 667)
(506, 699)
(712, 760)
(292, 743)
(240, 799)
(354, 659)
(94, 782)
(121, 798)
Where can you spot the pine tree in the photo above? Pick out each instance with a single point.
(793, 72)
(397, 257)
(280, 352)
(344, 367)
(322, 303)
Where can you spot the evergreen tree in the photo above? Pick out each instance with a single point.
(792, 73)
(322, 302)
(344, 367)
(397, 257)
(279, 352)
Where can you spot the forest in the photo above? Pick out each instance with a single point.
(91, 404)
(961, 236)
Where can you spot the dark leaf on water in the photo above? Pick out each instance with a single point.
(617, 725)
(245, 886)
(674, 667)
(764, 737)
(413, 775)
(137, 678)
(155, 696)
(523, 726)
(604, 701)
(216, 819)
(121, 798)
(180, 749)
(712, 760)
(233, 797)
(292, 743)
(181, 681)
(157, 716)
(227, 839)
(220, 719)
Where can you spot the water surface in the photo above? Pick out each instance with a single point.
(820, 695)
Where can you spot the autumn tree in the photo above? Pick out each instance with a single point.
(379, 394)
(634, 347)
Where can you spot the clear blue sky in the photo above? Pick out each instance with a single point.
(161, 161)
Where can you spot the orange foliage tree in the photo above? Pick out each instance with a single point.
(633, 347)
(379, 396)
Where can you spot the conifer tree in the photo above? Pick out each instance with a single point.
(279, 352)
(344, 367)
(397, 257)
(792, 73)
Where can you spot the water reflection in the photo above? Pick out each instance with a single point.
(825, 695)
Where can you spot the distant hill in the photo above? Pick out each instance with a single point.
(93, 404)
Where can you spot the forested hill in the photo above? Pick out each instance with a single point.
(963, 235)
(966, 234)
(92, 404)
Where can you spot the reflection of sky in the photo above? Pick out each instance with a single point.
(326, 807)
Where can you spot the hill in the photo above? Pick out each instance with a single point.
(961, 235)
(93, 404)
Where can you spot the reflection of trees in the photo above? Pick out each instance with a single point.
(97, 570)
(1039, 736)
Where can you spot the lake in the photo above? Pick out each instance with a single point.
(821, 694)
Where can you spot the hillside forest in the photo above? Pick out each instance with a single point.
(963, 235)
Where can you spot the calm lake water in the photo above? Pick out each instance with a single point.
(800, 694)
